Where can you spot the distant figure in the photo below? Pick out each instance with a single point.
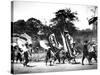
(16, 54)
(92, 53)
(19, 56)
(85, 51)
(76, 49)
(49, 56)
(26, 56)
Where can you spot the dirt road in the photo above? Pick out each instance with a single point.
(40, 67)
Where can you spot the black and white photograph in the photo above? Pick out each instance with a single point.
(53, 37)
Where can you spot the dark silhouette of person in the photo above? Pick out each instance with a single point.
(26, 58)
(85, 51)
(26, 55)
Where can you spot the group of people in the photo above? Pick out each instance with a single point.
(18, 53)
(70, 51)
(89, 51)
(89, 48)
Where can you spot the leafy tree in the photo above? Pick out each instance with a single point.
(64, 21)
(46, 30)
(32, 26)
(18, 26)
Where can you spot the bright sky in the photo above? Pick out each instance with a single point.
(45, 12)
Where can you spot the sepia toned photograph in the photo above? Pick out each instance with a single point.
(53, 37)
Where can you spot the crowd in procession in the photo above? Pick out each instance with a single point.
(89, 51)
(53, 53)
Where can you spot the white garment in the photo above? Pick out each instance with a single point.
(43, 44)
(91, 49)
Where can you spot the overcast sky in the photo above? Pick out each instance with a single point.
(46, 11)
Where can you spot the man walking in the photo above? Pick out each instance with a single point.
(85, 51)
(26, 58)
(26, 55)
